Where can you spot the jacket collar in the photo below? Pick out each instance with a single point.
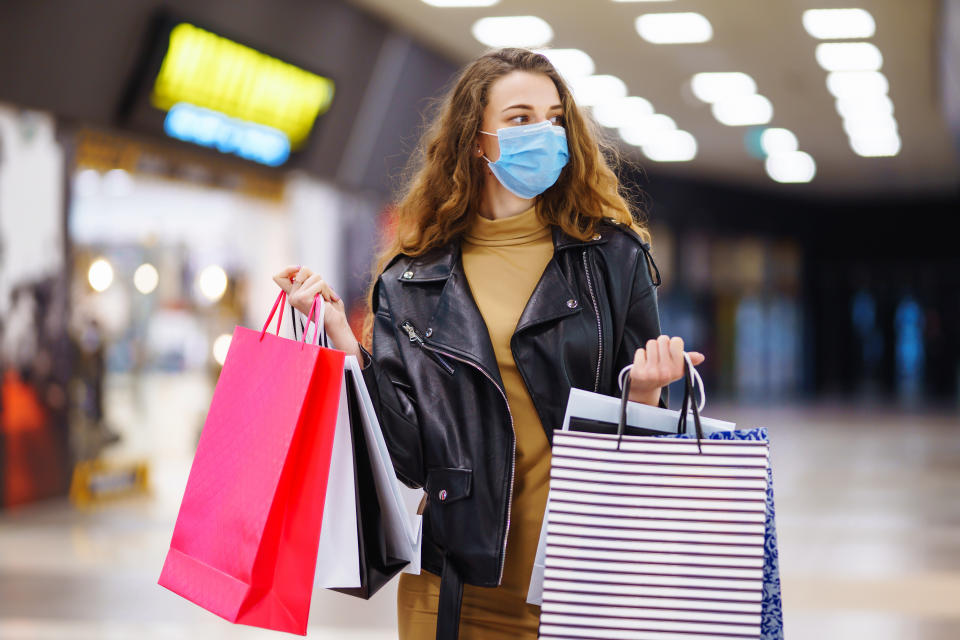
(456, 323)
(438, 263)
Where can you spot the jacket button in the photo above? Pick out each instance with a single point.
(428, 332)
(571, 303)
(407, 275)
(442, 495)
(596, 237)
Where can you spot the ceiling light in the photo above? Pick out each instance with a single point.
(791, 166)
(776, 140)
(100, 275)
(512, 31)
(877, 146)
(711, 87)
(642, 132)
(86, 182)
(622, 112)
(739, 111)
(671, 146)
(856, 105)
(146, 278)
(856, 83)
(870, 126)
(849, 56)
(461, 3)
(593, 90)
(836, 24)
(674, 28)
(570, 63)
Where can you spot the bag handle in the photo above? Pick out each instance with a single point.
(324, 340)
(690, 379)
(279, 302)
(321, 312)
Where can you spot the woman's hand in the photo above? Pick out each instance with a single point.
(657, 365)
(301, 286)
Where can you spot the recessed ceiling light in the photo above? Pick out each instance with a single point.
(853, 105)
(460, 3)
(598, 89)
(836, 24)
(883, 145)
(622, 112)
(570, 63)
(777, 140)
(683, 27)
(870, 126)
(738, 111)
(857, 83)
(791, 166)
(642, 131)
(671, 146)
(849, 56)
(713, 86)
(512, 31)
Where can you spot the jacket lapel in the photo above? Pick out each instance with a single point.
(456, 324)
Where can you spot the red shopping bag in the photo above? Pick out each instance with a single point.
(245, 543)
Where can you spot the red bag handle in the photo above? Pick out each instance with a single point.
(318, 320)
(279, 303)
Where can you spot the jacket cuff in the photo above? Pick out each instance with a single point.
(366, 357)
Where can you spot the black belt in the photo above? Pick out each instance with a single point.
(448, 607)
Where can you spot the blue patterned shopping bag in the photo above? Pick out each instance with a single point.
(771, 622)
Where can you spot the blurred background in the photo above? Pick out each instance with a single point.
(797, 162)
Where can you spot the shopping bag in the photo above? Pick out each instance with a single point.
(771, 619)
(374, 538)
(245, 542)
(598, 413)
(650, 536)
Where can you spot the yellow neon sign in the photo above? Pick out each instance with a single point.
(210, 71)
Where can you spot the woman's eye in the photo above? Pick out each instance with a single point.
(557, 120)
(518, 119)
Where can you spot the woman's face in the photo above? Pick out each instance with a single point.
(520, 97)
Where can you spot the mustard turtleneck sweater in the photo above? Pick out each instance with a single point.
(503, 261)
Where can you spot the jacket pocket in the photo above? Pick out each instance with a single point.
(448, 484)
(447, 513)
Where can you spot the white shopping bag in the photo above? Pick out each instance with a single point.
(338, 558)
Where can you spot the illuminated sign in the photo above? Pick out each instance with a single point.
(239, 94)
(209, 128)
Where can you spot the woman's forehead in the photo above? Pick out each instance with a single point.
(523, 88)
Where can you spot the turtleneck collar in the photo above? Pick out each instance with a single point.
(519, 229)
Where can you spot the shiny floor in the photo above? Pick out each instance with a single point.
(868, 509)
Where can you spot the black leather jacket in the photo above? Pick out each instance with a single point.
(438, 395)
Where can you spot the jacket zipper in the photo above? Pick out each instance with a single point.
(513, 457)
(596, 311)
(415, 338)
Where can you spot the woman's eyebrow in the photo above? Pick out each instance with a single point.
(529, 108)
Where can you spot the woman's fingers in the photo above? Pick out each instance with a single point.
(282, 278)
(696, 357)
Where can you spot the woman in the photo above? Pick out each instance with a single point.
(517, 272)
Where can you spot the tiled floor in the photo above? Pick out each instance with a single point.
(868, 507)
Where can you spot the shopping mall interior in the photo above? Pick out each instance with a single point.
(797, 165)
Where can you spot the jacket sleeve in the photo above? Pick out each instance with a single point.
(393, 397)
(642, 321)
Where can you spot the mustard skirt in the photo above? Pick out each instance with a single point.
(488, 613)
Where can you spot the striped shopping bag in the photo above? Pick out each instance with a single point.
(654, 538)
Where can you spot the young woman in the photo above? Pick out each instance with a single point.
(517, 272)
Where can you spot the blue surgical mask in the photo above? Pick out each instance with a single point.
(531, 157)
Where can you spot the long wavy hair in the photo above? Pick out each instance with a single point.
(443, 193)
